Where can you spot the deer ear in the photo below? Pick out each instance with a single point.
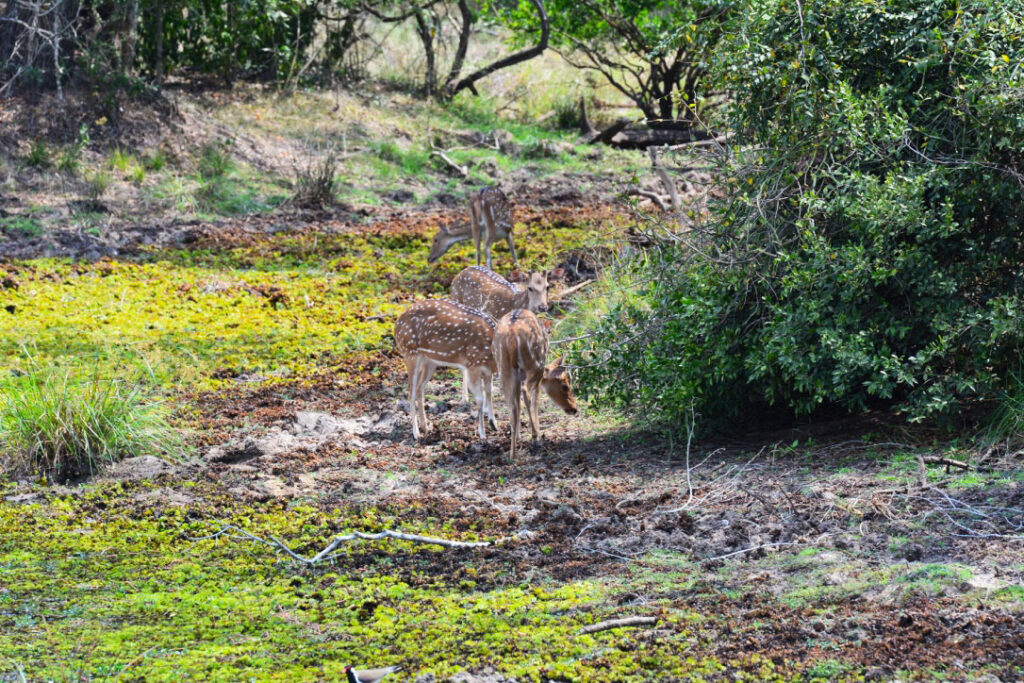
(556, 274)
(555, 369)
(517, 276)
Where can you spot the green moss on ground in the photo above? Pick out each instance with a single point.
(98, 589)
(289, 306)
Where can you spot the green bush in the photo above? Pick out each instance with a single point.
(867, 248)
(63, 426)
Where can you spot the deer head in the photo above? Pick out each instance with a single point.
(557, 386)
(446, 236)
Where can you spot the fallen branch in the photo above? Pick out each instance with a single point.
(617, 623)
(461, 170)
(605, 136)
(658, 200)
(948, 462)
(337, 541)
(572, 290)
(747, 550)
(666, 179)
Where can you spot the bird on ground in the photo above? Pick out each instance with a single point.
(368, 675)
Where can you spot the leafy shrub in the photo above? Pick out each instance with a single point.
(63, 426)
(867, 248)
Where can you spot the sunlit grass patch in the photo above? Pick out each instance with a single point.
(64, 424)
(292, 305)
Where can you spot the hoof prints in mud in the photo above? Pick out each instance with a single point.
(308, 432)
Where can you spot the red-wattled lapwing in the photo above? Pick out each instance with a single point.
(368, 675)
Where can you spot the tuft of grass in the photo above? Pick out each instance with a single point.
(96, 185)
(316, 181)
(1007, 420)
(128, 166)
(39, 155)
(155, 162)
(62, 425)
(24, 226)
(215, 160)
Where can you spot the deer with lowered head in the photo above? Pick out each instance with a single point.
(486, 291)
(520, 349)
(441, 333)
(490, 220)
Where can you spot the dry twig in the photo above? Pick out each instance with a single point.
(617, 623)
(326, 553)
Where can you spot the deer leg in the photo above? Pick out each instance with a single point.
(425, 370)
(512, 248)
(412, 368)
(489, 394)
(532, 393)
(511, 387)
(477, 380)
(465, 385)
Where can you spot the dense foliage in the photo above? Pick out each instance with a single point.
(655, 52)
(869, 246)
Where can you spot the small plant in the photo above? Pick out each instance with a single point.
(128, 166)
(316, 182)
(71, 158)
(96, 185)
(156, 162)
(215, 160)
(38, 155)
(21, 225)
(62, 425)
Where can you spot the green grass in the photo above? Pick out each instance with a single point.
(61, 424)
(22, 226)
(38, 155)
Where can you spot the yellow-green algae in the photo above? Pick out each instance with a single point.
(95, 588)
(285, 306)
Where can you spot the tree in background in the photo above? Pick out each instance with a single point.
(870, 249)
(655, 52)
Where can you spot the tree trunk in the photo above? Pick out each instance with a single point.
(460, 51)
(468, 83)
(158, 44)
(131, 38)
(426, 33)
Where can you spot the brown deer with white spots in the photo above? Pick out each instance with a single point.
(485, 290)
(441, 333)
(520, 349)
(490, 220)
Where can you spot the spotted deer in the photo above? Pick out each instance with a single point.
(441, 333)
(485, 290)
(490, 220)
(520, 349)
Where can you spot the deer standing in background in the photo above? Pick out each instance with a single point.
(490, 220)
(520, 349)
(438, 333)
(486, 291)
